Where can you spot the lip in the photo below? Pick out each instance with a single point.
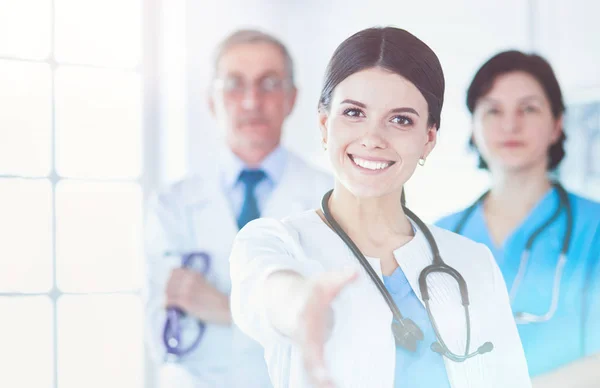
(371, 159)
(512, 144)
(252, 121)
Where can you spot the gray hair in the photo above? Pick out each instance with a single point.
(253, 36)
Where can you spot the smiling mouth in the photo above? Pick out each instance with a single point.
(371, 165)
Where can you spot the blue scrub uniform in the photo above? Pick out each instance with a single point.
(423, 368)
(574, 330)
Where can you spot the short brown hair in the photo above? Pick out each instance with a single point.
(538, 68)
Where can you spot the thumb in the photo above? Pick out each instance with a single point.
(334, 282)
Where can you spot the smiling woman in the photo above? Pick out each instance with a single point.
(376, 136)
(303, 286)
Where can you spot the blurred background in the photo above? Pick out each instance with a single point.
(103, 102)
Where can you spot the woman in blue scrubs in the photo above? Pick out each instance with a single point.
(517, 119)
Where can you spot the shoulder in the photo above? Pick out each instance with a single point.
(451, 220)
(184, 192)
(585, 207)
(455, 243)
(280, 243)
(286, 230)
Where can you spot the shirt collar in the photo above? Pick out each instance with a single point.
(231, 166)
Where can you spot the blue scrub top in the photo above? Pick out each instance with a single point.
(574, 330)
(423, 368)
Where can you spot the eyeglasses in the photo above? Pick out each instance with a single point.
(235, 86)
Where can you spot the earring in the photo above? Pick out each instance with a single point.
(421, 161)
(324, 145)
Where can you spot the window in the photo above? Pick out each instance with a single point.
(71, 193)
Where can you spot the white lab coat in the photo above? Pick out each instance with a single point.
(361, 350)
(195, 215)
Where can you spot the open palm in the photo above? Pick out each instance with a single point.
(316, 322)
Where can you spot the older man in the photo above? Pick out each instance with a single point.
(252, 94)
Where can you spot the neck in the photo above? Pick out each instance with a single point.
(518, 191)
(375, 219)
(252, 156)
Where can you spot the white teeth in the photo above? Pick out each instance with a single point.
(369, 164)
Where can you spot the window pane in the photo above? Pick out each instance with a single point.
(26, 335)
(100, 341)
(25, 28)
(26, 230)
(98, 32)
(98, 123)
(25, 118)
(98, 236)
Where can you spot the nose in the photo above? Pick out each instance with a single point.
(511, 122)
(373, 138)
(251, 98)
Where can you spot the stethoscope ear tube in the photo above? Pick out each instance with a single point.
(406, 332)
(563, 205)
(443, 268)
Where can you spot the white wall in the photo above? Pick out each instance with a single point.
(463, 33)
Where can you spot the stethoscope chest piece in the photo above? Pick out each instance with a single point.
(407, 334)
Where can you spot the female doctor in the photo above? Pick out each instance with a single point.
(545, 240)
(339, 296)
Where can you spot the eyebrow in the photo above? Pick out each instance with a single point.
(395, 110)
(532, 97)
(266, 74)
(522, 99)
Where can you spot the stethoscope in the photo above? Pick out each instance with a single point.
(406, 332)
(564, 204)
(172, 329)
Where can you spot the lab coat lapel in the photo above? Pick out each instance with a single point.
(212, 228)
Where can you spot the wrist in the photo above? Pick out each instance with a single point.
(224, 315)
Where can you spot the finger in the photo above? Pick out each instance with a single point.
(322, 378)
(315, 366)
(173, 282)
(319, 374)
(172, 301)
(178, 282)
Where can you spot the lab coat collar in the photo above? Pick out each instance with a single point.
(231, 166)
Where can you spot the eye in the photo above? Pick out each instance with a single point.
(270, 84)
(493, 111)
(231, 84)
(402, 120)
(530, 109)
(353, 112)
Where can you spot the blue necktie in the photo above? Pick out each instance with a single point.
(249, 212)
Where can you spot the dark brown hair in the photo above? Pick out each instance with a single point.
(395, 50)
(538, 68)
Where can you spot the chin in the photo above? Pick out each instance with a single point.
(362, 190)
(259, 142)
(514, 165)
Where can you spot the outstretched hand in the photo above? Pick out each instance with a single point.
(315, 323)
